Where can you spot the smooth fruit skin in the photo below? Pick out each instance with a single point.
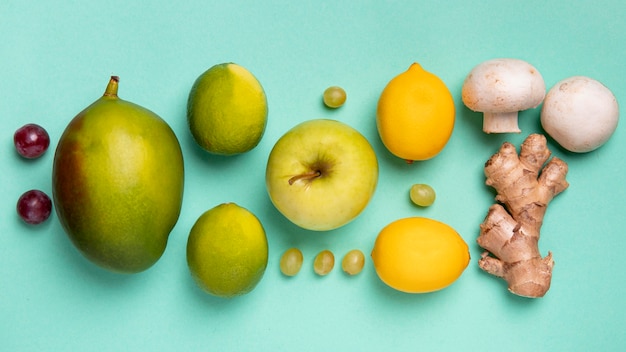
(415, 115)
(227, 110)
(118, 183)
(227, 251)
(419, 255)
(324, 262)
(34, 207)
(422, 195)
(353, 262)
(348, 174)
(334, 97)
(291, 261)
(31, 141)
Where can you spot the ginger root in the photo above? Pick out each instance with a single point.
(512, 235)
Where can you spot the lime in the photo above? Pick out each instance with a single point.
(227, 251)
(227, 110)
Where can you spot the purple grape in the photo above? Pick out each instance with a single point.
(31, 140)
(34, 207)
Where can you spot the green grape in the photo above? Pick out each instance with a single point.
(291, 261)
(324, 262)
(353, 262)
(422, 195)
(334, 97)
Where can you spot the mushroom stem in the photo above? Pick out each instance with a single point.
(500, 122)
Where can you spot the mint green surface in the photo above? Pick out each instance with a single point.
(57, 57)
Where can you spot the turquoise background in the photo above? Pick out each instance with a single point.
(57, 57)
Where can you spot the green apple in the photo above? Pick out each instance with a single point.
(321, 174)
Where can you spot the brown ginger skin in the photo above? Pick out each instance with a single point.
(512, 235)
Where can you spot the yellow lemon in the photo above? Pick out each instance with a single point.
(419, 255)
(227, 110)
(415, 115)
(227, 251)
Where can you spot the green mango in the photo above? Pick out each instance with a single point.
(117, 180)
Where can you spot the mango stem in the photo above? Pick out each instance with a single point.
(111, 90)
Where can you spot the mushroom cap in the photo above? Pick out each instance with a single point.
(580, 113)
(503, 85)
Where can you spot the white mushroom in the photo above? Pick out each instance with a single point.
(500, 88)
(580, 113)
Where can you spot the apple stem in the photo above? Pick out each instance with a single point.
(306, 176)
